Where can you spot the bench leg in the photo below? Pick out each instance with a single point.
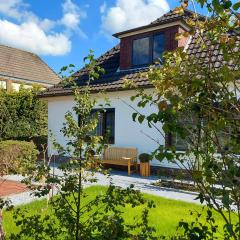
(129, 169)
(136, 168)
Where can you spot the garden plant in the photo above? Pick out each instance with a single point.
(198, 102)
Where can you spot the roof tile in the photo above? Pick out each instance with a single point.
(113, 79)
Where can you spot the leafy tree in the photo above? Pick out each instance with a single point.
(71, 218)
(198, 103)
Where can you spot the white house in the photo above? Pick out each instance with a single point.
(138, 49)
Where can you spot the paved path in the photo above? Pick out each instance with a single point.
(119, 178)
(9, 187)
(17, 193)
(145, 185)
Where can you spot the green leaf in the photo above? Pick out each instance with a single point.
(132, 98)
(236, 6)
(63, 69)
(226, 200)
(141, 118)
(227, 5)
(134, 115)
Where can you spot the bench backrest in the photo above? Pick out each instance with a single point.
(116, 153)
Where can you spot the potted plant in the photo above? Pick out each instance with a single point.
(144, 159)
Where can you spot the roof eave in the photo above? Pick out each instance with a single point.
(70, 93)
(152, 27)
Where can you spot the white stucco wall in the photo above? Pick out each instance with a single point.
(127, 132)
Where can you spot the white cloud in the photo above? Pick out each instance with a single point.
(72, 17)
(12, 8)
(29, 36)
(103, 7)
(31, 33)
(127, 14)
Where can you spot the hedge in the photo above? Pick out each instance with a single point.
(22, 115)
(17, 156)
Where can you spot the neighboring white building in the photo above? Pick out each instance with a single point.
(138, 48)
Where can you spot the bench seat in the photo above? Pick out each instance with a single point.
(118, 162)
(121, 157)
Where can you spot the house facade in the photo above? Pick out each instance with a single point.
(138, 48)
(21, 68)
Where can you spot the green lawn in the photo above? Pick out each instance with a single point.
(164, 217)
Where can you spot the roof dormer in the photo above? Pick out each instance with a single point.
(142, 46)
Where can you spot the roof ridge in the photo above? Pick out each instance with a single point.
(18, 49)
(172, 11)
(169, 17)
(26, 65)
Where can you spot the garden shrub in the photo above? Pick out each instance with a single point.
(17, 156)
(145, 157)
(23, 115)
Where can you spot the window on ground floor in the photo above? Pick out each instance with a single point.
(106, 124)
(225, 139)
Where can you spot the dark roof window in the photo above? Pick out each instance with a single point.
(158, 46)
(141, 49)
(147, 50)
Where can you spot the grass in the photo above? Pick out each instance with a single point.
(164, 217)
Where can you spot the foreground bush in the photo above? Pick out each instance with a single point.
(17, 156)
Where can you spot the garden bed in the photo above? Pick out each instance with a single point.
(177, 185)
(182, 185)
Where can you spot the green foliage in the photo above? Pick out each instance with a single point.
(17, 156)
(100, 218)
(22, 115)
(199, 103)
(145, 157)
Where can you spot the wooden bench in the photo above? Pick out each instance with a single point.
(121, 156)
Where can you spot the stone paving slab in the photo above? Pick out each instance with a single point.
(10, 187)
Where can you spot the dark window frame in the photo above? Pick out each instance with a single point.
(151, 48)
(222, 136)
(104, 127)
(164, 44)
(173, 139)
(169, 142)
(149, 52)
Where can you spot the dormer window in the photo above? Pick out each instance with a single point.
(141, 50)
(147, 50)
(158, 46)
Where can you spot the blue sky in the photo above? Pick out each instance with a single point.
(63, 31)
